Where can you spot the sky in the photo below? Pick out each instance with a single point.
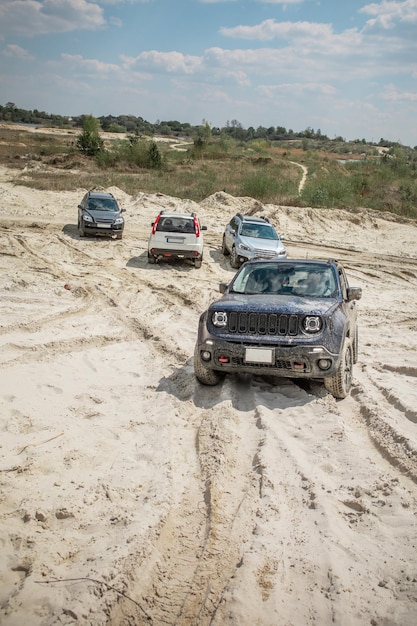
(344, 67)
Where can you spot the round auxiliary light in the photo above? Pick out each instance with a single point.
(219, 319)
(312, 323)
(324, 364)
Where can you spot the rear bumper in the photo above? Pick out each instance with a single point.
(162, 253)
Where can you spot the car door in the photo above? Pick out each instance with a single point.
(230, 233)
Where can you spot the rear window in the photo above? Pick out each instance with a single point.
(175, 225)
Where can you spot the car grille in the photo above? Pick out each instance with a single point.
(268, 324)
(264, 254)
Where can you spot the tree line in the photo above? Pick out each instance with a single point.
(173, 128)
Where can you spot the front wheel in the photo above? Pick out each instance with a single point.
(225, 251)
(234, 260)
(204, 375)
(339, 385)
(81, 230)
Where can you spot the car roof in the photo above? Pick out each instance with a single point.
(100, 194)
(173, 214)
(292, 262)
(255, 220)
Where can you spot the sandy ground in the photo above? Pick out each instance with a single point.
(131, 495)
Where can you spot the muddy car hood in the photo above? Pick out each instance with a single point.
(270, 303)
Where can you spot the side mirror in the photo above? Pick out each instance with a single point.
(354, 293)
(204, 228)
(80, 206)
(122, 210)
(223, 287)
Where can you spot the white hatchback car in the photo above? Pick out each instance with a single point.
(176, 236)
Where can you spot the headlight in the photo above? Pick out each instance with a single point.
(243, 247)
(219, 319)
(312, 324)
(119, 220)
(87, 218)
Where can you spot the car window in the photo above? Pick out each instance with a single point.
(300, 280)
(259, 231)
(174, 224)
(102, 204)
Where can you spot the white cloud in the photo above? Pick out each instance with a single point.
(16, 52)
(170, 62)
(39, 17)
(284, 2)
(394, 95)
(93, 66)
(388, 14)
(271, 29)
(298, 89)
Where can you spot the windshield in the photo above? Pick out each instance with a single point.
(260, 231)
(103, 204)
(283, 279)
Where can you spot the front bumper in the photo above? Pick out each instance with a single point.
(258, 255)
(291, 361)
(105, 229)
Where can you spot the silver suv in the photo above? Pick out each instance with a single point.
(248, 238)
(176, 236)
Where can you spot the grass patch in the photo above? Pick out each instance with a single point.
(258, 170)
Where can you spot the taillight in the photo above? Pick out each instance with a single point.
(196, 227)
(155, 224)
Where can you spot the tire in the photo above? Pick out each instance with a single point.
(197, 263)
(81, 230)
(234, 261)
(204, 375)
(119, 236)
(339, 385)
(225, 251)
(151, 259)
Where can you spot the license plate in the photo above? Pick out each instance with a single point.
(103, 225)
(259, 355)
(175, 239)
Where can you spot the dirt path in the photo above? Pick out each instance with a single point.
(262, 501)
(303, 177)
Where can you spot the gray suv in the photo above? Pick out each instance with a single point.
(99, 214)
(247, 238)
